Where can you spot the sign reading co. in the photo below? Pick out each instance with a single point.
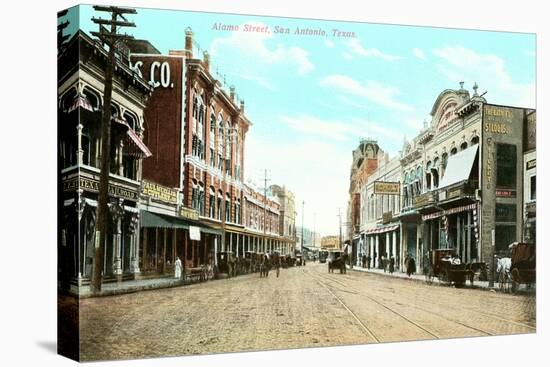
(159, 73)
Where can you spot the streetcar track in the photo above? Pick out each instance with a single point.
(388, 308)
(424, 310)
(488, 314)
(448, 319)
(365, 328)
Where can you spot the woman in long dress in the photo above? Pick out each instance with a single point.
(177, 268)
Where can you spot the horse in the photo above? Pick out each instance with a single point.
(504, 264)
(265, 266)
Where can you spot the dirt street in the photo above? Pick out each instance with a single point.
(304, 307)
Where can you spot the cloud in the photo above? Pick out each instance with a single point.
(254, 45)
(351, 103)
(489, 71)
(347, 56)
(262, 82)
(339, 130)
(329, 43)
(419, 53)
(371, 90)
(358, 49)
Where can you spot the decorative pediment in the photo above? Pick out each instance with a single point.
(444, 110)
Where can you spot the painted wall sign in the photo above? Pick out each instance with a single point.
(387, 188)
(159, 192)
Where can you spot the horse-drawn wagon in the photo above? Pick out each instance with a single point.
(226, 264)
(336, 260)
(524, 262)
(448, 268)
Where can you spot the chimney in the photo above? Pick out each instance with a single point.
(242, 106)
(206, 60)
(189, 43)
(232, 92)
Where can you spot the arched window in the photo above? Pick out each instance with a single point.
(201, 202)
(463, 146)
(212, 203)
(419, 177)
(475, 140)
(93, 97)
(453, 151)
(429, 176)
(227, 207)
(219, 205)
(195, 195)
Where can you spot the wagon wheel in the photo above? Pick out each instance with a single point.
(429, 275)
(444, 278)
(515, 280)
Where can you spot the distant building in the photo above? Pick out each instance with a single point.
(330, 243)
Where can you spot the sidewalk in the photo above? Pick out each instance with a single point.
(127, 286)
(421, 278)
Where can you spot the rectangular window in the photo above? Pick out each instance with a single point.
(506, 166)
(533, 188)
(505, 213)
(505, 234)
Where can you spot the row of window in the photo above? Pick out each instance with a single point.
(198, 202)
(226, 137)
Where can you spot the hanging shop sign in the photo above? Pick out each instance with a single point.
(386, 188)
(194, 233)
(531, 164)
(387, 217)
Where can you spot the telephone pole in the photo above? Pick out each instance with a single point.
(302, 239)
(265, 208)
(111, 39)
(340, 228)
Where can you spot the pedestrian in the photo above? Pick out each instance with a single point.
(177, 268)
(383, 263)
(364, 260)
(392, 264)
(411, 266)
(368, 262)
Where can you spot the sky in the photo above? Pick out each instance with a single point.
(312, 98)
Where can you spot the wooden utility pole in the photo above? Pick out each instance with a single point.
(61, 37)
(111, 39)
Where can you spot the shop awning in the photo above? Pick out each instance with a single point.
(454, 210)
(382, 229)
(153, 220)
(459, 167)
(136, 140)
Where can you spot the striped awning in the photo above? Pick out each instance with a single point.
(80, 102)
(455, 210)
(139, 143)
(382, 229)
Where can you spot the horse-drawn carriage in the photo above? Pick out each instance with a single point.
(523, 264)
(448, 268)
(336, 260)
(226, 264)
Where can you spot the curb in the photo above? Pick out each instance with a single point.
(437, 283)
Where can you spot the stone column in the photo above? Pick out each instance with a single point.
(120, 158)
(216, 250)
(387, 250)
(394, 245)
(117, 258)
(79, 151)
(376, 250)
(468, 238)
(134, 243)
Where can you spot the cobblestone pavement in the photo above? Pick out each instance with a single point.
(304, 307)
